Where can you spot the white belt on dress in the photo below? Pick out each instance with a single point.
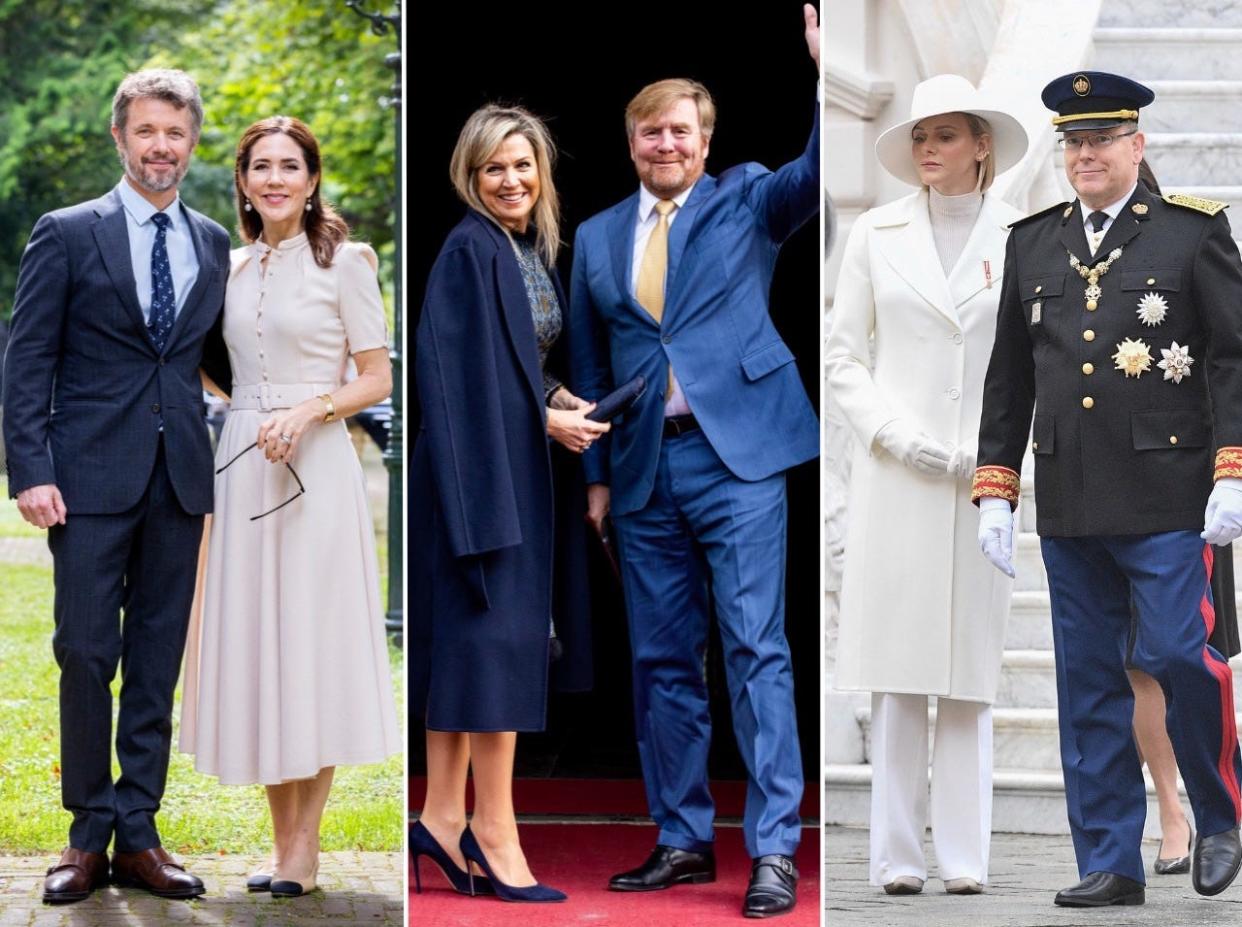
(268, 396)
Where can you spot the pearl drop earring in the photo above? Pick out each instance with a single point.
(247, 206)
(308, 205)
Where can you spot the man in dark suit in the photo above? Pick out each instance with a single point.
(672, 283)
(1120, 331)
(108, 449)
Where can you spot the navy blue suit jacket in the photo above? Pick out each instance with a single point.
(85, 389)
(735, 371)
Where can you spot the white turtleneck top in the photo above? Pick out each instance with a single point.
(952, 218)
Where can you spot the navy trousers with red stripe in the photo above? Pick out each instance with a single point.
(1091, 581)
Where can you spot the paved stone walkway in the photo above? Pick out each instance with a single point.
(1025, 873)
(356, 888)
(25, 550)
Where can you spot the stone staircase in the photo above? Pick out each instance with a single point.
(1190, 54)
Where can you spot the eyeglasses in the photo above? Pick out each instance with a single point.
(296, 479)
(1075, 143)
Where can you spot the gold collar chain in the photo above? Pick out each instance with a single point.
(1092, 275)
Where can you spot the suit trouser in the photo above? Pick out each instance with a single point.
(140, 563)
(961, 787)
(702, 523)
(1090, 580)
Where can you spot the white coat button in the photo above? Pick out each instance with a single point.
(957, 338)
(954, 394)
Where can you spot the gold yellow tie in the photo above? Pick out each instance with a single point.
(650, 289)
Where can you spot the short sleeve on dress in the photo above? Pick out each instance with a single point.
(361, 307)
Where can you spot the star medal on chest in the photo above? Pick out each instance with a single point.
(1152, 309)
(1092, 275)
(1133, 357)
(1176, 363)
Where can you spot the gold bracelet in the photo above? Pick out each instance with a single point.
(331, 413)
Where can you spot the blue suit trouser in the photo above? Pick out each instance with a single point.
(704, 524)
(1092, 580)
(139, 563)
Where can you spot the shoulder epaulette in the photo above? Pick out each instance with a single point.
(1059, 207)
(1197, 203)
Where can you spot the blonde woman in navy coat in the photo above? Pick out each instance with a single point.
(488, 603)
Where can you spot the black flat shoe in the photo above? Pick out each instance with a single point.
(1215, 863)
(259, 882)
(664, 867)
(773, 887)
(1175, 865)
(1100, 889)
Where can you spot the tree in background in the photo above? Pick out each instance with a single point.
(60, 63)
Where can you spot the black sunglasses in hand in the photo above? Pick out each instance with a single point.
(296, 479)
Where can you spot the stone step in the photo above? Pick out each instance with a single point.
(1029, 564)
(1192, 106)
(1023, 801)
(1169, 53)
(1022, 738)
(1166, 13)
(1030, 621)
(1194, 158)
(1028, 679)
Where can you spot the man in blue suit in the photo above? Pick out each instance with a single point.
(107, 448)
(672, 283)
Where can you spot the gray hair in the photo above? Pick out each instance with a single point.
(171, 86)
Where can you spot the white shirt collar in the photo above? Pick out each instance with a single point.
(142, 209)
(1113, 210)
(647, 200)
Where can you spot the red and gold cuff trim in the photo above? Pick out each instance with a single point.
(1003, 483)
(1228, 463)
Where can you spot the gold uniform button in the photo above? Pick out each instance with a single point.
(1151, 281)
(1088, 335)
(1087, 402)
(1039, 289)
(1088, 369)
(1172, 439)
(1034, 445)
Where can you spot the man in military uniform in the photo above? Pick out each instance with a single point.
(1118, 313)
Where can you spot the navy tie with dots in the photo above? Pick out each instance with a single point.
(163, 299)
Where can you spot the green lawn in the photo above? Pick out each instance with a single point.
(199, 816)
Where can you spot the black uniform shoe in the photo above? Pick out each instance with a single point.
(1216, 862)
(1100, 889)
(773, 886)
(664, 867)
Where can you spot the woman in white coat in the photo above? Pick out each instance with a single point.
(921, 612)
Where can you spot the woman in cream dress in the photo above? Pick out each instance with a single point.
(291, 674)
(922, 613)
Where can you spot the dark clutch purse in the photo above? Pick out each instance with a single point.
(618, 401)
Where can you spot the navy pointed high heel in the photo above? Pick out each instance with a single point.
(422, 843)
(474, 854)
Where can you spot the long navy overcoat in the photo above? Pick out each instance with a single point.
(496, 548)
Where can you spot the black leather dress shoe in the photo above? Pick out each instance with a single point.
(1216, 861)
(773, 886)
(664, 867)
(1100, 889)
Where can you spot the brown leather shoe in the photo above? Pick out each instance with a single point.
(157, 872)
(76, 875)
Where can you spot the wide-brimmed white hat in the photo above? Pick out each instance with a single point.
(949, 93)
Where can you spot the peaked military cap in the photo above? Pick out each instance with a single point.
(1094, 100)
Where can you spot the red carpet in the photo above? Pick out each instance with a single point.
(610, 797)
(579, 858)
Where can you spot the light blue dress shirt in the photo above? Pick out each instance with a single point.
(180, 244)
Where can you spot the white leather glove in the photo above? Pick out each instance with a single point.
(914, 448)
(996, 533)
(1222, 522)
(963, 463)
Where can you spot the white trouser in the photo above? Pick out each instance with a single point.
(961, 787)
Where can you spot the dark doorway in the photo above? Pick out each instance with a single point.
(763, 81)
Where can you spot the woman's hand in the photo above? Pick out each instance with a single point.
(564, 399)
(569, 427)
(280, 434)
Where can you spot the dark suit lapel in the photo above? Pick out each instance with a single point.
(679, 235)
(1074, 238)
(621, 227)
(206, 269)
(112, 237)
(515, 307)
(1128, 223)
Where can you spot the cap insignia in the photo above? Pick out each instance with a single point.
(1082, 86)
